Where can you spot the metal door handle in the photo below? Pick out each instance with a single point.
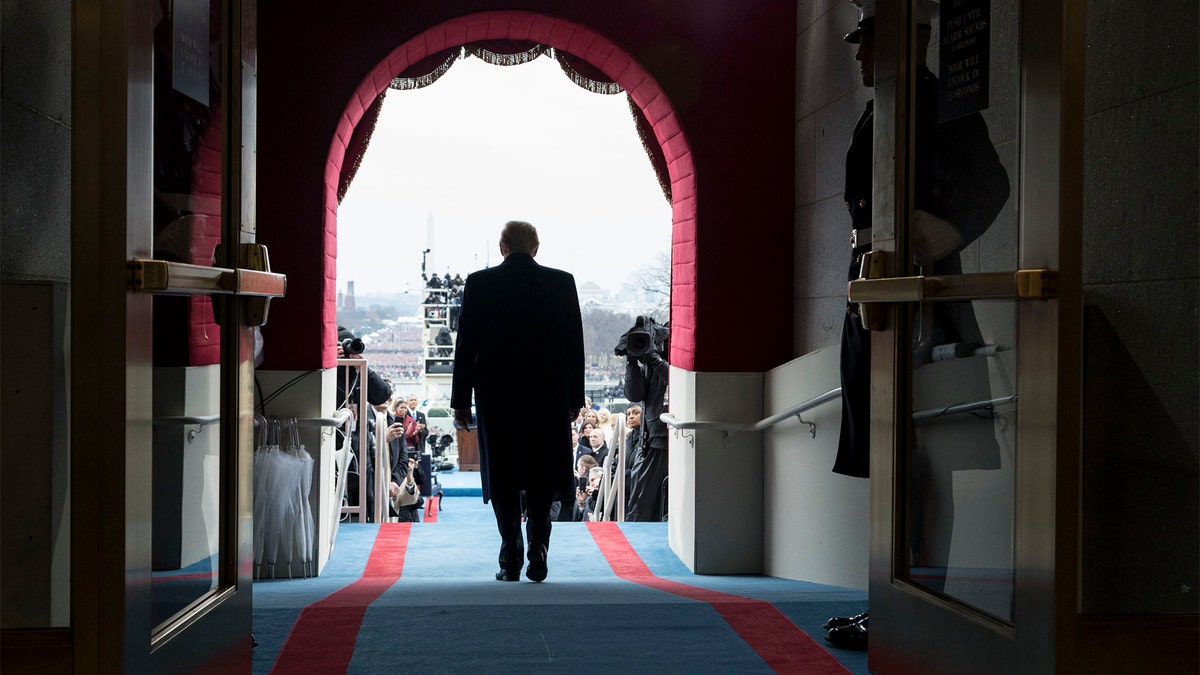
(1019, 285)
(257, 284)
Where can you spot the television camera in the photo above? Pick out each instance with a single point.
(645, 337)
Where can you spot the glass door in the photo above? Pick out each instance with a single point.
(164, 162)
(972, 206)
(210, 284)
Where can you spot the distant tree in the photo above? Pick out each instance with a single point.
(655, 280)
(601, 330)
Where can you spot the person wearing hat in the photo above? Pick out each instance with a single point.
(960, 188)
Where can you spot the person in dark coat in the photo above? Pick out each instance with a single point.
(646, 377)
(520, 349)
(599, 447)
(584, 444)
(961, 187)
(400, 432)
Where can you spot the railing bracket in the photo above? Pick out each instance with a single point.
(812, 426)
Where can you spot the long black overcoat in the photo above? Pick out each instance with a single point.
(959, 177)
(520, 348)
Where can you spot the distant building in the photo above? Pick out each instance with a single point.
(590, 290)
(628, 293)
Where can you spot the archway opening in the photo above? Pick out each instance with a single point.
(590, 49)
(448, 163)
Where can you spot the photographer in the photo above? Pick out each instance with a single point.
(409, 480)
(646, 376)
(378, 393)
(585, 496)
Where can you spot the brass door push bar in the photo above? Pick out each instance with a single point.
(256, 284)
(1018, 285)
(872, 289)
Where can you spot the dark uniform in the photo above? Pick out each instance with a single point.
(646, 381)
(854, 446)
(959, 178)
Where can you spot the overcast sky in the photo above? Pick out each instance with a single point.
(487, 144)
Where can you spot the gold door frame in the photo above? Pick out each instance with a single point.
(111, 367)
(911, 627)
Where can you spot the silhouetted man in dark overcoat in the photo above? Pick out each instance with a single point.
(520, 348)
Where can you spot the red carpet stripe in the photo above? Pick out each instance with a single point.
(431, 509)
(322, 640)
(779, 642)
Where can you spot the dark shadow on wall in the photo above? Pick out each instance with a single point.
(1141, 488)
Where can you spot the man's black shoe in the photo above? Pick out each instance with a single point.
(536, 570)
(505, 575)
(838, 621)
(852, 637)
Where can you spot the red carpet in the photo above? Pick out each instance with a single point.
(322, 640)
(779, 642)
(431, 508)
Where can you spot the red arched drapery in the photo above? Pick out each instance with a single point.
(502, 53)
(587, 47)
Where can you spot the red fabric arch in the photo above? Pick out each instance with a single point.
(588, 46)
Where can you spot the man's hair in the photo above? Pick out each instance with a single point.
(519, 236)
(595, 471)
(588, 461)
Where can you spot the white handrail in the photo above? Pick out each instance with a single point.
(933, 413)
(198, 420)
(731, 428)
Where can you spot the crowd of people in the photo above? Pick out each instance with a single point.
(599, 438)
(444, 299)
(596, 373)
(406, 435)
(396, 352)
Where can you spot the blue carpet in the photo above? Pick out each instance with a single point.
(460, 483)
(447, 614)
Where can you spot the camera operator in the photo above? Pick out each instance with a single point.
(378, 393)
(646, 375)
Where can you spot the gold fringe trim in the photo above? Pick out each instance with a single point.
(496, 59)
(410, 83)
(660, 172)
(594, 86)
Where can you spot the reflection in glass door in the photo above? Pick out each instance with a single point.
(974, 152)
(962, 449)
(189, 93)
(961, 468)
